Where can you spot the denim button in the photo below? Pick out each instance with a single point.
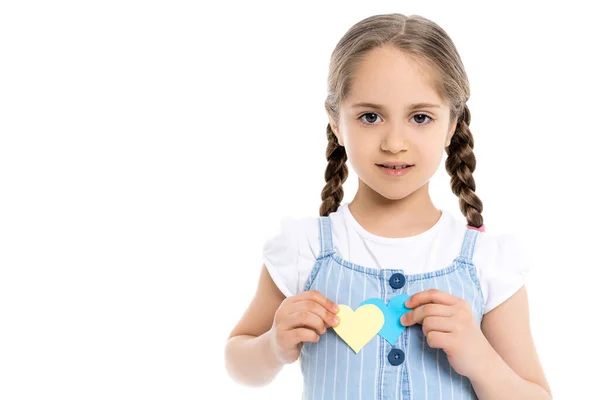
(397, 280)
(396, 357)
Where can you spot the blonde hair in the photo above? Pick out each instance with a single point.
(426, 43)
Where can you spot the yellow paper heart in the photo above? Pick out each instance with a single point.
(358, 327)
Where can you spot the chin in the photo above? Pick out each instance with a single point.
(394, 193)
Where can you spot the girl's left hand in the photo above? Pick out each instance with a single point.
(448, 324)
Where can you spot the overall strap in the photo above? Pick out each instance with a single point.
(468, 244)
(325, 236)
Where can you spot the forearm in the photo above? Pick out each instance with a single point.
(250, 360)
(498, 381)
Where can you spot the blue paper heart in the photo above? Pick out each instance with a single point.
(392, 328)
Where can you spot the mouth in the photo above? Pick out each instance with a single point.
(394, 166)
(395, 170)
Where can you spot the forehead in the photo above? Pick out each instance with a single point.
(388, 76)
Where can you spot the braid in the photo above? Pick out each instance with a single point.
(460, 164)
(336, 173)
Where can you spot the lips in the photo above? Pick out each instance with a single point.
(395, 166)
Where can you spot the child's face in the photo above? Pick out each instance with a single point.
(396, 133)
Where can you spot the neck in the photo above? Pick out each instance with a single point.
(394, 218)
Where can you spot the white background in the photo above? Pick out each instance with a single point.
(148, 149)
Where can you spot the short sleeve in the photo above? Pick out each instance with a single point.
(280, 255)
(504, 264)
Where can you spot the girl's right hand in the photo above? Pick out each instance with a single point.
(301, 318)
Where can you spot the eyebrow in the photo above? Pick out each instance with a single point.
(410, 107)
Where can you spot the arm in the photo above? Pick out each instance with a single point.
(273, 329)
(249, 358)
(514, 370)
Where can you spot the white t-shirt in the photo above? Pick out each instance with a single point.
(501, 260)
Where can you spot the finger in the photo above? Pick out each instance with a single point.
(430, 296)
(328, 317)
(318, 297)
(437, 324)
(302, 335)
(438, 340)
(417, 315)
(306, 319)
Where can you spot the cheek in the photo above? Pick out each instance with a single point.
(431, 150)
(356, 156)
(358, 148)
(432, 161)
(434, 152)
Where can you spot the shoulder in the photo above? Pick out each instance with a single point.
(489, 245)
(290, 237)
(501, 259)
(293, 231)
(291, 249)
(503, 264)
(306, 230)
(497, 250)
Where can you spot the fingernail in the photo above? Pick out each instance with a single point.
(336, 320)
(402, 320)
(335, 308)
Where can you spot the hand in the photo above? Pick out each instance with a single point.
(301, 318)
(448, 324)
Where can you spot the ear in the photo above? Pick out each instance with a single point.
(451, 132)
(336, 131)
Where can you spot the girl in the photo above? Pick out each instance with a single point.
(387, 297)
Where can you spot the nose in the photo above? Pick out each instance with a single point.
(394, 141)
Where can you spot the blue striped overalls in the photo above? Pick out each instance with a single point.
(408, 370)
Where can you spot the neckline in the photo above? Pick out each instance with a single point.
(347, 214)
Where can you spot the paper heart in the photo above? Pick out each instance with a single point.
(392, 328)
(358, 327)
